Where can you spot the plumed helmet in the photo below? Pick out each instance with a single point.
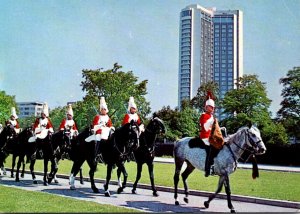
(13, 112)
(45, 109)
(103, 104)
(131, 104)
(70, 110)
(210, 99)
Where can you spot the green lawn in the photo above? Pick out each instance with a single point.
(13, 200)
(270, 184)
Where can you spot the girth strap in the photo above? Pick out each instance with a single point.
(232, 155)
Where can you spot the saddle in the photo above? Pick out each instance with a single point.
(196, 142)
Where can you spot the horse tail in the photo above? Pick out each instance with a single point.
(255, 173)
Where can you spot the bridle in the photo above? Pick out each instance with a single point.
(252, 145)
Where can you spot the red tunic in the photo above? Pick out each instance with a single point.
(128, 117)
(63, 123)
(206, 121)
(37, 123)
(104, 119)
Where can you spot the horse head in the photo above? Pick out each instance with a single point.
(156, 126)
(134, 134)
(9, 131)
(255, 141)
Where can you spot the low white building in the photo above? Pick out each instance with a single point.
(28, 109)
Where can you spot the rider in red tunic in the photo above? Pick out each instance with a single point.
(13, 120)
(206, 122)
(129, 116)
(68, 123)
(102, 126)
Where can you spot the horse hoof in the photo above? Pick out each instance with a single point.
(95, 190)
(232, 211)
(17, 180)
(56, 181)
(186, 200)
(81, 182)
(12, 176)
(120, 189)
(133, 191)
(35, 182)
(22, 175)
(155, 194)
(107, 194)
(176, 202)
(206, 204)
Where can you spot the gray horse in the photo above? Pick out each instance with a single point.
(224, 164)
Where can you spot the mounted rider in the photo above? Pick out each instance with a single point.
(68, 124)
(13, 120)
(101, 128)
(42, 127)
(69, 128)
(207, 121)
(129, 116)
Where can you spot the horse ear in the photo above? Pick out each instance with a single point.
(154, 115)
(248, 123)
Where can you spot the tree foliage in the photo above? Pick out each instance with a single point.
(6, 102)
(198, 102)
(116, 86)
(249, 104)
(289, 113)
(180, 123)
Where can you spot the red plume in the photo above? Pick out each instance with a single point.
(210, 95)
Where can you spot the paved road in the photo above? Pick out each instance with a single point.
(143, 201)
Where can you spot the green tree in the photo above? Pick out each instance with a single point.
(170, 118)
(249, 103)
(6, 102)
(289, 113)
(116, 86)
(199, 100)
(180, 123)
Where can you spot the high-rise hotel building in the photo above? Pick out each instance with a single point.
(210, 48)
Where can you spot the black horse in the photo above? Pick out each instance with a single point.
(44, 150)
(64, 147)
(145, 153)
(7, 142)
(114, 152)
(23, 148)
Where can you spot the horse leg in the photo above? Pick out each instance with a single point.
(122, 169)
(81, 176)
(75, 168)
(23, 167)
(151, 175)
(93, 167)
(13, 164)
(54, 170)
(189, 169)
(178, 165)
(108, 177)
(20, 161)
(211, 197)
(228, 193)
(31, 167)
(45, 171)
(139, 166)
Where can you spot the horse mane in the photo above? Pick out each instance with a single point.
(238, 135)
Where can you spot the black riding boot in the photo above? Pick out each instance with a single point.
(207, 161)
(98, 155)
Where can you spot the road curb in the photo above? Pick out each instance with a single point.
(248, 199)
